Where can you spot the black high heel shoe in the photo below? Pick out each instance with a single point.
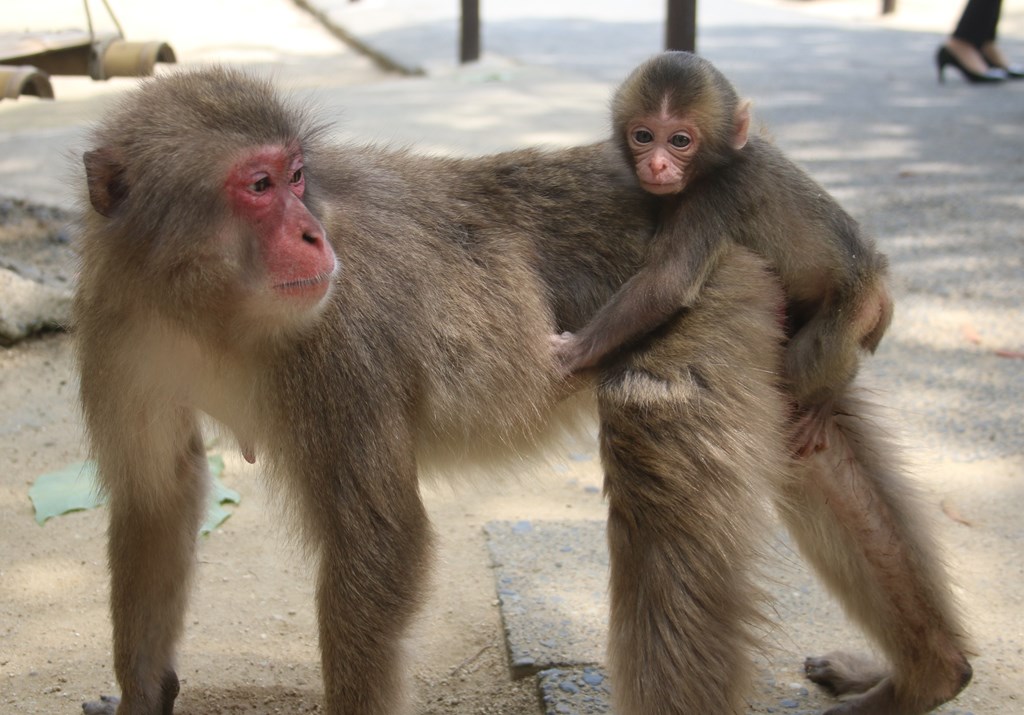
(944, 57)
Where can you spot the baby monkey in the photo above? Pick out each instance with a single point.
(684, 130)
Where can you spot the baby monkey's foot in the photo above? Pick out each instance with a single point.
(810, 431)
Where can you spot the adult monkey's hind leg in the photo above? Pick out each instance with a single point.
(691, 433)
(856, 517)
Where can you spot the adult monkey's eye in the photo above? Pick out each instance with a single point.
(680, 141)
(297, 176)
(643, 136)
(260, 185)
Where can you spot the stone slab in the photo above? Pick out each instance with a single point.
(551, 579)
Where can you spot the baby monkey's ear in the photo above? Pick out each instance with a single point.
(741, 125)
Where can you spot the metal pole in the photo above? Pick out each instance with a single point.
(681, 25)
(469, 42)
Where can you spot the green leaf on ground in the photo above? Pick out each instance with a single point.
(74, 488)
(216, 514)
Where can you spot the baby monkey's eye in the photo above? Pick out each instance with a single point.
(681, 141)
(642, 136)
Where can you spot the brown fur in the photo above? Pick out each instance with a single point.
(685, 507)
(432, 348)
(858, 520)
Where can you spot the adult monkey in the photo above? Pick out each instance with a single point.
(210, 282)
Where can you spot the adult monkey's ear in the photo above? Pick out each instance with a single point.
(104, 172)
(741, 125)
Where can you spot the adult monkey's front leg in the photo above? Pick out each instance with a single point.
(692, 433)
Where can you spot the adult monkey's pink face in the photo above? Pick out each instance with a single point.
(265, 188)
